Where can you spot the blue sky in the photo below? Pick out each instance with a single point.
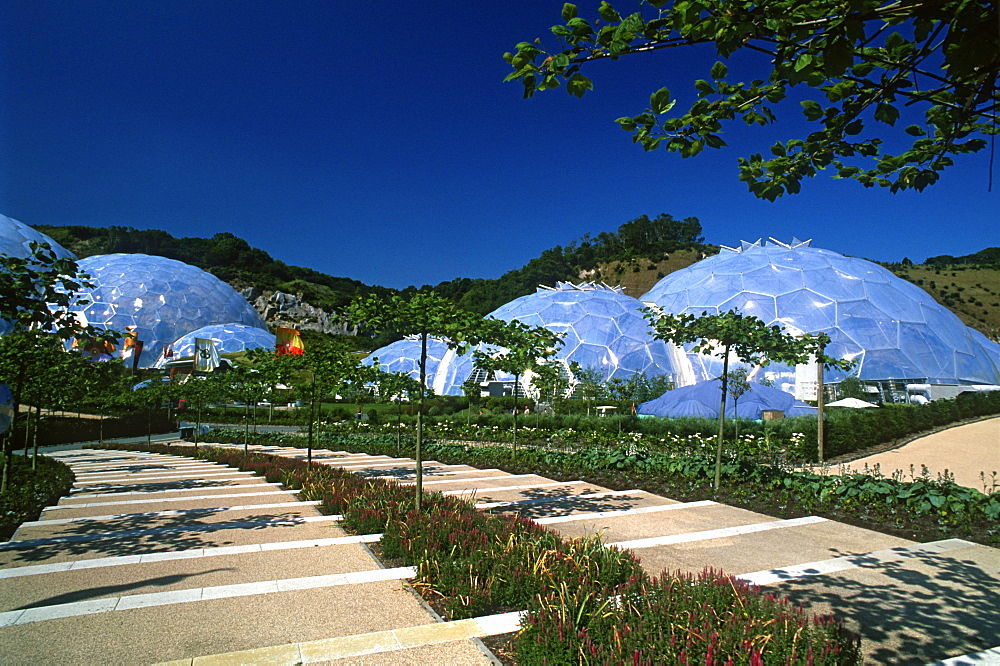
(377, 141)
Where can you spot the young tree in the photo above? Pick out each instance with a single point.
(426, 315)
(738, 385)
(516, 348)
(747, 338)
(35, 295)
(590, 384)
(863, 60)
(321, 373)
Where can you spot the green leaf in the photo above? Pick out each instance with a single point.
(719, 70)
(578, 84)
(704, 87)
(886, 113)
(608, 12)
(660, 102)
(568, 11)
(812, 110)
(916, 130)
(803, 61)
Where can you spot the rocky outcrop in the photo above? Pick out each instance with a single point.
(280, 309)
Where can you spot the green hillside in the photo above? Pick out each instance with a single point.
(635, 256)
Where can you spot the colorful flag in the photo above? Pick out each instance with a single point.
(206, 356)
(288, 342)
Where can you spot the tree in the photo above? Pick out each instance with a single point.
(321, 373)
(590, 385)
(426, 315)
(738, 385)
(861, 61)
(35, 295)
(519, 348)
(747, 338)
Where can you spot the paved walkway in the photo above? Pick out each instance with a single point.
(968, 453)
(157, 558)
(161, 558)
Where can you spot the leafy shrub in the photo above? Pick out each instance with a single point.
(31, 490)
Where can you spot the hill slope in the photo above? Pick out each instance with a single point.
(636, 256)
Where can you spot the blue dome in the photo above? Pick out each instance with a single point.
(604, 330)
(16, 237)
(403, 357)
(15, 241)
(163, 298)
(895, 329)
(229, 338)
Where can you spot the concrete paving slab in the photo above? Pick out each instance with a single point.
(786, 546)
(163, 576)
(695, 518)
(913, 611)
(162, 633)
(193, 503)
(161, 542)
(478, 482)
(136, 503)
(542, 507)
(517, 490)
(166, 490)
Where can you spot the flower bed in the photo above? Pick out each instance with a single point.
(586, 602)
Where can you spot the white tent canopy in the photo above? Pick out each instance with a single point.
(850, 402)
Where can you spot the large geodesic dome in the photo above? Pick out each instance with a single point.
(16, 238)
(604, 330)
(894, 329)
(15, 241)
(163, 298)
(229, 338)
(403, 357)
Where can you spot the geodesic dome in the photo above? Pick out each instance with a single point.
(163, 298)
(403, 357)
(229, 338)
(15, 241)
(16, 237)
(603, 327)
(895, 329)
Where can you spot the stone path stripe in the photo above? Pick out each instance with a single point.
(157, 500)
(93, 606)
(106, 469)
(170, 512)
(542, 500)
(197, 527)
(428, 464)
(717, 534)
(484, 478)
(194, 553)
(845, 562)
(433, 469)
(463, 491)
(359, 645)
(622, 512)
(135, 479)
(77, 491)
(985, 658)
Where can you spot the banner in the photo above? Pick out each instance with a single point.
(206, 356)
(138, 352)
(288, 342)
(806, 379)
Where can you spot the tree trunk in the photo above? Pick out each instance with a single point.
(312, 419)
(514, 393)
(418, 456)
(34, 458)
(820, 431)
(722, 419)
